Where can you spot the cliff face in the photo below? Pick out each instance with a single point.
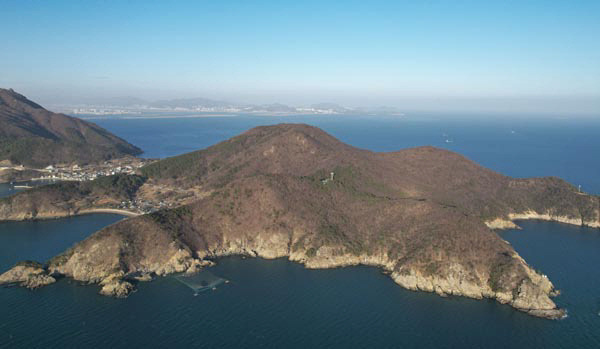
(33, 136)
(421, 214)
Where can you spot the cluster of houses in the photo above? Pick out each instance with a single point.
(142, 206)
(76, 173)
(91, 172)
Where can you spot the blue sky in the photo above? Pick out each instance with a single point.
(404, 53)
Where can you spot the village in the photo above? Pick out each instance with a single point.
(148, 202)
(127, 165)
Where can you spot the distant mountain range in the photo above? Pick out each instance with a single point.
(188, 103)
(33, 136)
(130, 104)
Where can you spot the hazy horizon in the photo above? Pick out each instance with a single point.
(440, 56)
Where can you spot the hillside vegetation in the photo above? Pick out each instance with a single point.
(421, 214)
(33, 136)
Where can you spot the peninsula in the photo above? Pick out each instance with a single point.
(424, 215)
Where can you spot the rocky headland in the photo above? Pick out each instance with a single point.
(27, 274)
(424, 215)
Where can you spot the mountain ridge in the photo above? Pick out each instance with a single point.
(33, 136)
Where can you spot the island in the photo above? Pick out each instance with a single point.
(425, 216)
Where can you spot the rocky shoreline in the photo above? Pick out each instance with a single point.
(532, 296)
(508, 222)
(422, 215)
(27, 274)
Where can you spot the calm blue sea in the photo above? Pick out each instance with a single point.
(279, 304)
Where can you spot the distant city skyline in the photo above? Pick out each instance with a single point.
(506, 56)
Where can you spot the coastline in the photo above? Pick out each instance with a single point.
(415, 281)
(509, 222)
(494, 224)
(38, 179)
(412, 278)
(124, 213)
(107, 210)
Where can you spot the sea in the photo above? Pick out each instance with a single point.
(280, 304)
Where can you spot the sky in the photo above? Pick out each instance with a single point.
(459, 55)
